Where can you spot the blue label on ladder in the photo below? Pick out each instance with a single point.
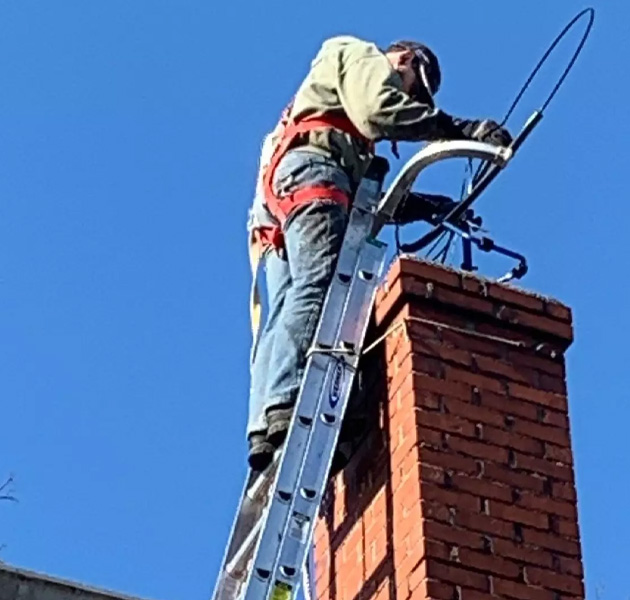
(335, 385)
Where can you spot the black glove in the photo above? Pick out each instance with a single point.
(487, 131)
(431, 208)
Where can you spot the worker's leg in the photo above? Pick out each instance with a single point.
(313, 238)
(277, 282)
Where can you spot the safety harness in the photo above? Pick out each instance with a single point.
(262, 237)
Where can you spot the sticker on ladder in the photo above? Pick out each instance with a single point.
(298, 527)
(282, 591)
(335, 385)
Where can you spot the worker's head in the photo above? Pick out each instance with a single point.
(418, 68)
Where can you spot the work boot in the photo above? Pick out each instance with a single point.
(279, 420)
(260, 452)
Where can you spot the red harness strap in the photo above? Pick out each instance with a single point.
(282, 207)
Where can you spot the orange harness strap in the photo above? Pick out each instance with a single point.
(282, 207)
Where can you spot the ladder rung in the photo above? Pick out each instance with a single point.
(366, 275)
(308, 494)
(285, 496)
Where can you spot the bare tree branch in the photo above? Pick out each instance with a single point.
(7, 488)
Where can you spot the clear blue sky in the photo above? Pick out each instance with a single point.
(129, 136)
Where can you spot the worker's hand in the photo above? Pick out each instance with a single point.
(490, 132)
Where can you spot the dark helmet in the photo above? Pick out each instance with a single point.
(426, 63)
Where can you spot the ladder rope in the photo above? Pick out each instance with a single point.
(403, 323)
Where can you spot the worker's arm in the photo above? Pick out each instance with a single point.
(372, 97)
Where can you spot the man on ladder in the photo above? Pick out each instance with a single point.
(353, 96)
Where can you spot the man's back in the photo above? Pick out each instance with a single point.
(323, 91)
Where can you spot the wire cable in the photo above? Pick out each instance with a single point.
(587, 32)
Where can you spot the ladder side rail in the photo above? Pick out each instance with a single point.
(430, 154)
(319, 368)
(297, 537)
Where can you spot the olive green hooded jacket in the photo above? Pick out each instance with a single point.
(353, 78)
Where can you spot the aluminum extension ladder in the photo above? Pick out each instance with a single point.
(272, 532)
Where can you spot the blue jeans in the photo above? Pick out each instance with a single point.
(296, 285)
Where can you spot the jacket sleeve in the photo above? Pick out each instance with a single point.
(371, 94)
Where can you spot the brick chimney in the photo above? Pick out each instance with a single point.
(464, 488)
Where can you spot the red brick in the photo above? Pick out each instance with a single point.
(521, 553)
(509, 337)
(476, 414)
(519, 591)
(473, 343)
(429, 438)
(437, 550)
(402, 440)
(449, 497)
(449, 461)
(397, 352)
(382, 593)
(555, 435)
(484, 524)
(566, 491)
(398, 379)
(478, 449)
(455, 575)
(507, 439)
(558, 311)
(555, 401)
(352, 582)
(443, 352)
(551, 541)
(423, 332)
(420, 289)
(509, 406)
(556, 419)
(503, 369)
(569, 528)
(428, 272)
(551, 383)
(548, 505)
(463, 301)
(550, 366)
(434, 530)
(545, 467)
(482, 488)
(506, 475)
(434, 511)
(428, 400)
(516, 297)
(555, 453)
(555, 581)
(540, 323)
(431, 589)
(392, 275)
(444, 422)
(515, 514)
(467, 594)
(423, 364)
(431, 474)
(441, 386)
(406, 566)
(473, 284)
(571, 566)
(405, 469)
(388, 302)
(474, 379)
(405, 528)
(495, 565)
